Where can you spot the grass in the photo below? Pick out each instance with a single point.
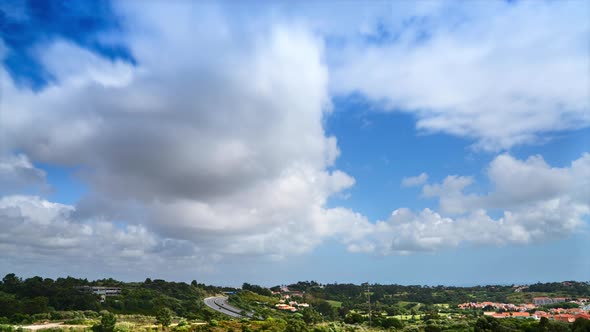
(442, 305)
(335, 304)
(407, 317)
(251, 297)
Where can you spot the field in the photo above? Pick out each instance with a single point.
(335, 304)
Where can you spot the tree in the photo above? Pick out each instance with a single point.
(107, 323)
(354, 318)
(11, 283)
(256, 289)
(389, 322)
(326, 309)
(432, 328)
(164, 316)
(296, 325)
(486, 324)
(311, 316)
(581, 325)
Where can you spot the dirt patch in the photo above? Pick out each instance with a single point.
(36, 327)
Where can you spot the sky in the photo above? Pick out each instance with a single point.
(428, 142)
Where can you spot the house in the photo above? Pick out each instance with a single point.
(282, 306)
(520, 315)
(541, 314)
(500, 315)
(565, 318)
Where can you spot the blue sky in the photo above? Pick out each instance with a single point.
(395, 142)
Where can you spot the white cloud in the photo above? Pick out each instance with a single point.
(556, 207)
(502, 74)
(40, 233)
(450, 192)
(213, 145)
(413, 181)
(518, 181)
(217, 141)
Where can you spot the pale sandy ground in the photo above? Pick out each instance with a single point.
(36, 327)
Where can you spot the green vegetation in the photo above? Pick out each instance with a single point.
(335, 304)
(157, 305)
(107, 323)
(38, 299)
(164, 316)
(260, 305)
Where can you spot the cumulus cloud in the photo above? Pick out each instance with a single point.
(37, 232)
(500, 73)
(220, 145)
(212, 143)
(556, 207)
(32, 225)
(17, 173)
(413, 181)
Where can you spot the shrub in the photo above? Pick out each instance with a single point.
(6, 328)
(107, 323)
(78, 321)
(43, 316)
(164, 316)
(124, 327)
(53, 329)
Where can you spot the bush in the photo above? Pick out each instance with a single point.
(164, 316)
(22, 319)
(184, 328)
(6, 328)
(123, 327)
(79, 321)
(40, 317)
(107, 323)
(91, 314)
(66, 315)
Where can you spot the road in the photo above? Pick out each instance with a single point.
(219, 303)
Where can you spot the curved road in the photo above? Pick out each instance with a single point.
(219, 303)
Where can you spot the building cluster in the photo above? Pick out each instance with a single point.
(291, 306)
(564, 317)
(509, 310)
(548, 300)
(519, 289)
(497, 306)
(287, 294)
(516, 314)
(101, 291)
